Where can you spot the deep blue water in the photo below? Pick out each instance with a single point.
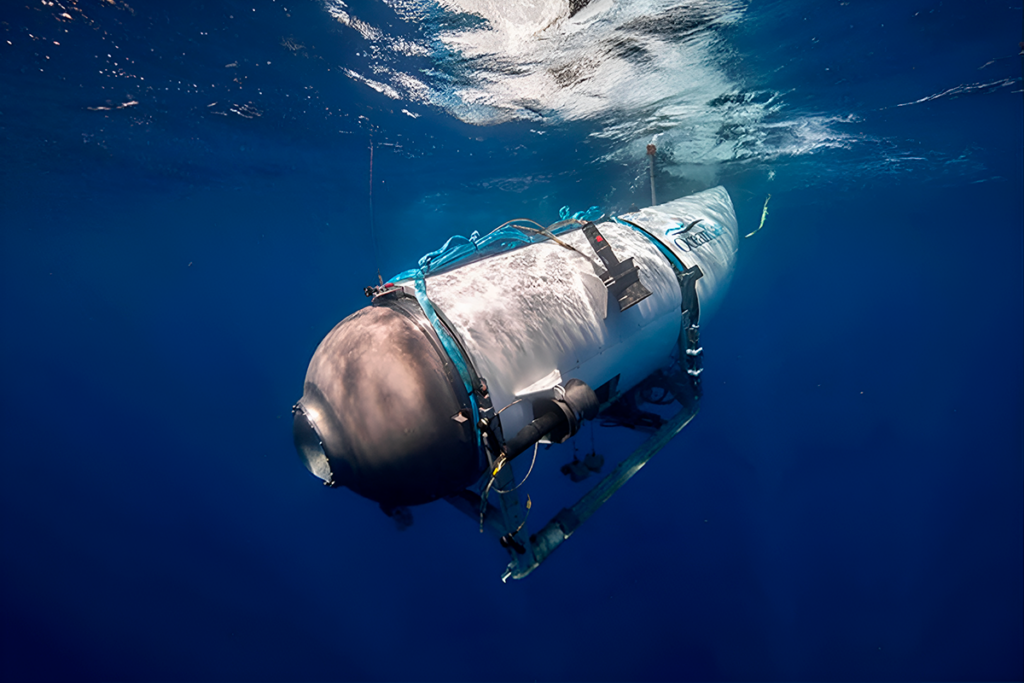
(184, 214)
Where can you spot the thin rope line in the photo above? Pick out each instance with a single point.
(373, 230)
(532, 462)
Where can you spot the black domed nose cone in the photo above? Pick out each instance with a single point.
(379, 403)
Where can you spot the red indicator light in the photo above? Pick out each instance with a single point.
(599, 239)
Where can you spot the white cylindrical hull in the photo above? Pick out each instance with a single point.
(540, 315)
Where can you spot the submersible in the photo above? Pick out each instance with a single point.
(494, 343)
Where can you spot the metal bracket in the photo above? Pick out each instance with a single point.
(620, 277)
(691, 353)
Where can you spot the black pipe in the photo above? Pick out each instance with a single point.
(561, 418)
(533, 432)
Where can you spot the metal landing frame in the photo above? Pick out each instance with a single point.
(509, 520)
